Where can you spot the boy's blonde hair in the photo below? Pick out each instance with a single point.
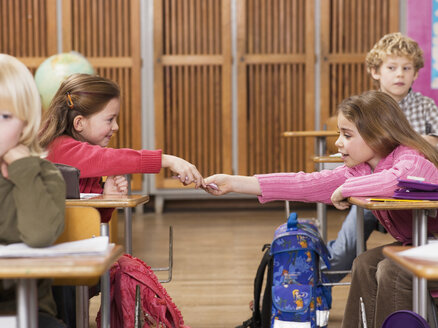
(394, 44)
(19, 93)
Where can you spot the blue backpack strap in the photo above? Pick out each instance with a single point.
(258, 282)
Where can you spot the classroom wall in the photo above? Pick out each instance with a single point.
(419, 28)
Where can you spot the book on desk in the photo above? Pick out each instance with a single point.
(91, 246)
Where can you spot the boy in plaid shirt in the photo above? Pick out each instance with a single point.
(393, 63)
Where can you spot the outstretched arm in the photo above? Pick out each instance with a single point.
(187, 172)
(232, 183)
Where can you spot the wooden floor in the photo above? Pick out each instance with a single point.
(217, 249)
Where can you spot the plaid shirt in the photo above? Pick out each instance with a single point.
(421, 112)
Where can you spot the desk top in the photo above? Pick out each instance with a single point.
(109, 201)
(420, 268)
(84, 266)
(327, 159)
(320, 133)
(397, 204)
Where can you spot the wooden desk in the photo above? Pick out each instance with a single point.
(421, 210)
(110, 201)
(28, 270)
(420, 268)
(327, 159)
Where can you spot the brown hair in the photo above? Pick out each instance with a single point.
(395, 44)
(382, 124)
(79, 94)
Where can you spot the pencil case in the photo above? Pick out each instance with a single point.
(413, 189)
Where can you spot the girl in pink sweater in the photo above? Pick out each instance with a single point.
(378, 147)
(78, 126)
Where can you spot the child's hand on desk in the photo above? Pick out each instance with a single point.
(115, 185)
(13, 154)
(338, 200)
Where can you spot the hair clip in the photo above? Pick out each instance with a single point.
(69, 101)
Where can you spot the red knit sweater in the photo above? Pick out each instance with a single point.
(95, 161)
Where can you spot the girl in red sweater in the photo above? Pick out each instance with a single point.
(78, 126)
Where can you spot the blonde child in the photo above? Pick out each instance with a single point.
(378, 146)
(32, 190)
(393, 63)
(78, 126)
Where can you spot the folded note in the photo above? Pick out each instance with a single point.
(96, 245)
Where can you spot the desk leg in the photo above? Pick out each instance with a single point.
(104, 229)
(105, 300)
(321, 214)
(27, 307)
(128, 230)
(82, 307)
(321, 209)
(422, 302)
(360, 243)
(105, 286)
(415, 283)
(421, 222)
(419, 285)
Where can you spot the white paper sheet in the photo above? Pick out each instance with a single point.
(88, 196)
(426, 252)
(96, 245)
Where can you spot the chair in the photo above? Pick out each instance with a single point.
(80, 223)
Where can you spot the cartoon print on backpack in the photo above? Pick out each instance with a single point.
(297, 291)
(294, 283)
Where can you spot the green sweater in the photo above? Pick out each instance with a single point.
(32, 206)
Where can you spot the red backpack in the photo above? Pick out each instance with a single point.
(125, 275)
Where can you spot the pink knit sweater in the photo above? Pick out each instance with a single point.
(356, 181)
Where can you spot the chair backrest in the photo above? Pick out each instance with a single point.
(71, 177)
(80, 223)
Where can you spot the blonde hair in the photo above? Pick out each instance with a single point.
(383, 125)
(394, 44)
(79, 94)
(19, 91)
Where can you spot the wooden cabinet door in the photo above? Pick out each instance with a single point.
(275, 63)
(276, 59)
(107, 32)
(349, 29)
(192, 52)
(27, 30)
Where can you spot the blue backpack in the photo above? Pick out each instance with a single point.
(293, 295)
(298, 295)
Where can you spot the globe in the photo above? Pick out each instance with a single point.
(52, 71)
